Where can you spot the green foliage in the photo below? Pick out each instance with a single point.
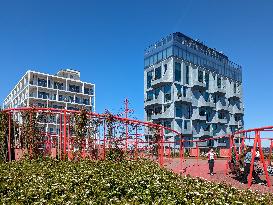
(108, 182)
(3, 135)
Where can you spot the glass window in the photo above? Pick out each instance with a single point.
(167, 93)
(169, 52)
(164, 53)
(180, 53)
(207, 80)
(159, 56)
(151, 60)
(219, 82)
(175, 51)
(146, 62)
(158, 110)
(157, 91)
(150, 95)
(177, 73)
(184, 91)
(178, 111)
(158, 73)
(200, 76)
(187, 74)
(155, 58)
(195, 60)
(165, 68)
(149, 79)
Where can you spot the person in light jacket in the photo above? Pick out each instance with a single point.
(211, 157)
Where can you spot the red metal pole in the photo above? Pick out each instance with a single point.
(60, 149)
(104, 139)
(136, 146)
(9, 149)
(126, 124)
(197, 152)
(64, 132)
(270, 152)
(263, 161)
(68, 136)
(252, 159)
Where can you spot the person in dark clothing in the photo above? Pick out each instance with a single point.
(247, 162)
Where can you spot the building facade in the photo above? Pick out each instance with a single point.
(193, 89)
(64, 90)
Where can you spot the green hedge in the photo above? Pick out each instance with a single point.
(106, 182)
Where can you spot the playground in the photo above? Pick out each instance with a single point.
(89, 135)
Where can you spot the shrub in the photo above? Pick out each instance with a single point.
(108, 182)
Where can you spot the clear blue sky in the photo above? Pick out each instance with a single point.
(105, 40)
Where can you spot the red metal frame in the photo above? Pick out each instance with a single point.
(65, 138)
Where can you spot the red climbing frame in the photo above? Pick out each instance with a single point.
(140, 146)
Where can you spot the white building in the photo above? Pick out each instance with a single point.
(64, 90)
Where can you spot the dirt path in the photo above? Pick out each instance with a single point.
(200, 169)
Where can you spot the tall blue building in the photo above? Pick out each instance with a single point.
(193, 89)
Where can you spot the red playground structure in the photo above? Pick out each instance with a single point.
(69, 134)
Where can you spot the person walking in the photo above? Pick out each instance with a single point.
(211, 156)
(247, 162)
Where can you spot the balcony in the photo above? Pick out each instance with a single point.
(179, 98)
(220, 106)
(235, 96)
(236, 110)
(222, 121)
(186, 131)
(203, 144)
(198, 85)
(196, 116)
(203, 103)
(157, 101)
(161, 81)
(219, 90)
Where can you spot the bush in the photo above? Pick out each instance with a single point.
(106, 182)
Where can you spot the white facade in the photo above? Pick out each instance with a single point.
(64, 90)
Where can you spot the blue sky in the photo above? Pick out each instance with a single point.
(105, 40)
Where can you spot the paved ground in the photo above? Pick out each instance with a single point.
(200, 169)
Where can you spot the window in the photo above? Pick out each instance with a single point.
(168, 124)
(207, 80)
(149, 95)
(158, 73)
(74, 88)
(206, 96)
(186, 124)
(169, 52)
(166, 107)
(177, 75)
(149, 79)
(164, 53)
(175, 51)
(184, 91)
(86, 101)
(42, 82)
(160, 56)
(178, 111)
(187, 75)
(58, 85)
(200, 76)
(234, 87)
(43, 95)
(157, 91)
(149, 114)
(219, 82)
(167, 93)
(165, 68)
(71, 99)
(60, 98)
(77, 100)
(158, 110)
